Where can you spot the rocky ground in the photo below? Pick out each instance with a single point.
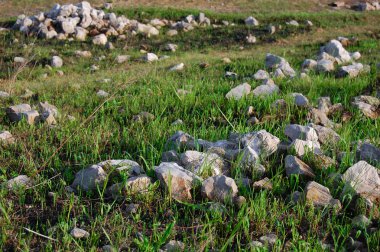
(143, 128)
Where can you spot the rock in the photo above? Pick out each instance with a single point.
(174, 246)
(361, 221)
(56, 61)
(83, 54)
(238, 92)
(102, 93)
(351, 70)
(144, 117)
(336, 49)
(294, 165)
(22, 111)
(108, 248)
(302, 147)
(132, 168)
(264, 183)
(80, 33)
(219, 188)
(320, 196)
(275, 62)
(109, 46)
(178, 67)
(309, 64)
(133, 185)
(293, 23)
(279, 105)
(319, 117)
(120, 59)
(250, 39)
(177, 122)
(325, 66)
(6, 137)
(251, 21)
(368, 105)
(107, 6)
(326, 135)
(177, 180)
(261, 75)
(308, 23)
(231, 75)
(19, 60)
(268, 240)
(296, 131)
(78, 233)
(100, 39)
(201, 163)
(90, 178)
(369, 153)
(300, 100)
(253, 121)
(226, 60)
(150, 57)
(171, 156)
(364, 6)
(46, 108)
(355, 55)
(172, 33)
(271, 29)
(170, 47)
(362, 179)
(20, 181)
(324, 104)
(4, 94)
(266, 89)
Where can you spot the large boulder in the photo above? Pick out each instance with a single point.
(177, 180)
(219, 188)
(362, 179)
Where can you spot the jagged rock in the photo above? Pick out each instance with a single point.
(324, 104)
(302, 147)
(362, 179)
(350, 70)
(326, 135)
(177, 67)
(320, 196)
(122, 165)
(296, 131)
(293, 23)
(325, 66)
(90, 178)
(368, 105)
(171, 156)
(336, 49)
(170, 47)
(320, 117)
(266, 89)
(309, 64)
(264, 183)
(300, 100)
(219, 188)
(238, 92)
(268, 240)
(294, 165)
(22, 111)
(201, 163)
(78, 233)
(177, 180)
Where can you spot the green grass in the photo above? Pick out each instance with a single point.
(112, 133)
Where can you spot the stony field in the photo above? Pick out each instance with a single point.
(190, 126)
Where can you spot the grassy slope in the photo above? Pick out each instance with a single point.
(112, 134)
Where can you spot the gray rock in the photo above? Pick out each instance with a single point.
(177, 180)
(123, 165)
(219, 188)
(170, 47)
(296, 131)
(174, 246)
(122, 58)
(309, 64)
(90, 178)
(300, 100)
(78, 233)
(251, 21)
(102, 93)
(150, 57)
(261, 75)
(336, 49)
(171, 156)
(326, 135)
(56, 61)
(324, 104)
(320, 196)
(294, 165)
(302, 147)
(325, 66)
(177, 67)
(362, 179)
(172, 33)
(250, 39)
(368, 105)
(264, 90)
(202, 163)
(293, 23)
(238, 92)
(19, 60)
(351, 71)
(46, 108)
(264, 183)
(134, 185)
(4, 94)
(22, 111)
(83, 54)
(268, 240)
(20, 181)
(361, 221)
(369, 153)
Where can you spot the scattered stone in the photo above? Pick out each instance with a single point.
(170, 47)
(264, 183)
(268, 240)
(324, 104)
(100, 39)
(238, 92)
(122, 165)
(302, 147)
(90, 178)
(294, 165)
(250, 39)
(219, 188)
(20, 181)
(351, 71)
(78, 233)
(320, 196)
(102, 93)
(120, 59)
(6, 137)
(4, 94)
(362, 179)
(178, 67)
(172, 33)
(56, 61)
(19, 60)
(177, 180)
(22, 111)
(230, 75)
(309, 64)
(150, 57)
(251, 21)
(261, 75)
(369, 153)
(173, 246)
(265, 90)
(300, 100)
(83, 54)
(325, 66)
(134, 185)
(293, 23)
(368, 105)
(326, 135)
(201, 163)
(296, 131)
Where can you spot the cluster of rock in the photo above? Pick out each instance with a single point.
(361, 6)
(334, 54)
(82, 20)
(24, 112)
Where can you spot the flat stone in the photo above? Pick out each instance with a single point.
(320, 196)
(238, 92)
